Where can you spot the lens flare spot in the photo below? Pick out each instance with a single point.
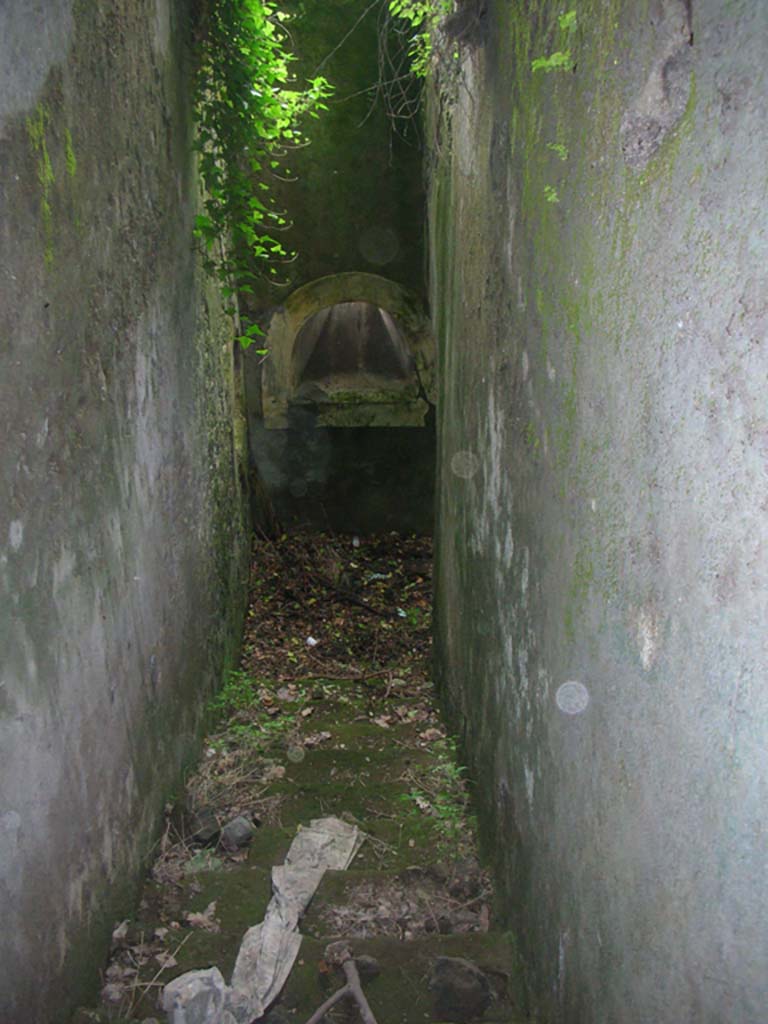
(572, 697)
(465, 465)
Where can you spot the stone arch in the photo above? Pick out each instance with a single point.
(348, 402)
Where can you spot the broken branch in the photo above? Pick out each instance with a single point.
(352, 988)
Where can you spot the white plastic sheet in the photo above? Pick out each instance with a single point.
(269, 950)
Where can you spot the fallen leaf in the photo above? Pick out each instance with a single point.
(119, 934)
(205, 920)
(315, 738)
(120, 973)
(113, 993)
(430, 735)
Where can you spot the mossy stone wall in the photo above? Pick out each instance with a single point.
(599, 247)
(123, 548)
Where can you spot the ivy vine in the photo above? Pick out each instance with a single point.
(249, 112)
(422, 16)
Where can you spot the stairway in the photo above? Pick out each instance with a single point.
(413, 907)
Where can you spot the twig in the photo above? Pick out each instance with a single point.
(420, 892)
(337, 678)
(145, 986)
(352, 988)
(338, 46)
(345, 595)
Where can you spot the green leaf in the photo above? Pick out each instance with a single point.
(245, 112)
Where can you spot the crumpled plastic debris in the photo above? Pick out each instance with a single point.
(269, 950)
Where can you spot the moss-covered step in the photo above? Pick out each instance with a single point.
(400, 994)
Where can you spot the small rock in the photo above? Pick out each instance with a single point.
(196, 997)
(237, 833)
(461, 991)
(204, 827)
(367, 967)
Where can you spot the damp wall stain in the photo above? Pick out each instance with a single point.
(123, 550)
(598, 259)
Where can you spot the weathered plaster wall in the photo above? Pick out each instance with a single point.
(122, 548)
(599, 269)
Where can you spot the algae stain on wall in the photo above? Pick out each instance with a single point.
(37, 127)
(583, 355)
(123, 520)
(69, 154)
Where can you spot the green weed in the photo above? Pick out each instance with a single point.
(442, 794)
(238, 693)
(248, 110)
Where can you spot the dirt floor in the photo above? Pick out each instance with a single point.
(332, 712)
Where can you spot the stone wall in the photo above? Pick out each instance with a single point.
(599, 281)
(122, 538)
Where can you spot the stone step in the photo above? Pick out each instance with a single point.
(404, 992)
(410, 903)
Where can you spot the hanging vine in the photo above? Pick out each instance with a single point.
(249, 111)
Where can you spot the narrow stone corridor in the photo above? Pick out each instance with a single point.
(332, 713)
(489, 271)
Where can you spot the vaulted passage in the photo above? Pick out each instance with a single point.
(341, 413)
(354, 342)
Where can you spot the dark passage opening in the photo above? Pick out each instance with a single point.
(358, 451)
